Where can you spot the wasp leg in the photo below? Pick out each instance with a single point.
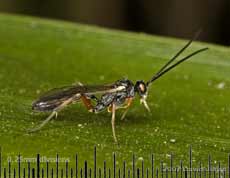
(54, 113)
(113, 122)
(124, 113)
(147, 106)
(144, 102)
(126, 107)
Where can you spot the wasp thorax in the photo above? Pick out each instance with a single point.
(141, 88)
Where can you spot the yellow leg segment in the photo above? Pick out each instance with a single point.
(113, 122)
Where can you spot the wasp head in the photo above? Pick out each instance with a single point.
(142, 90)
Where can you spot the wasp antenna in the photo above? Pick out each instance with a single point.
(177, 63)
(175, 56)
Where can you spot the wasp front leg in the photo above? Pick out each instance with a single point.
(126, 107)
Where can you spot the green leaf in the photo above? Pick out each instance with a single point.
(190, 105)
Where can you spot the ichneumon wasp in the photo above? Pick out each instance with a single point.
(118, 95)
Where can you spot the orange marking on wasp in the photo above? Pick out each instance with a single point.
(87, 103)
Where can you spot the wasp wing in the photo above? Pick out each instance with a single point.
(56, 97)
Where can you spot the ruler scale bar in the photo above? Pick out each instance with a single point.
(57, 161)
(152, 164)
(137, 167)
(190, 162)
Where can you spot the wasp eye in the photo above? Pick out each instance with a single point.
(142, 88)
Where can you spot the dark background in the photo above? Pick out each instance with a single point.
(179, 18)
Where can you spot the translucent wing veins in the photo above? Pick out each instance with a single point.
(56, 97)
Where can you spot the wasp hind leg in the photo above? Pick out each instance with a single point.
(54, 113)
